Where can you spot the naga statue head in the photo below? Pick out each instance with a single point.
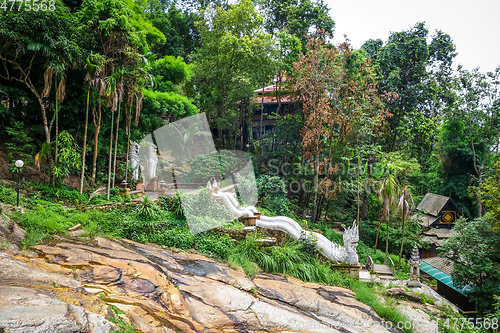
(134, 148)
(351, 239)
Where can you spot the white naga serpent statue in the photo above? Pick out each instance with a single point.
(332, 251)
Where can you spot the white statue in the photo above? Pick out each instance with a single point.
(134, 159)
(351, 239)
(151, 160)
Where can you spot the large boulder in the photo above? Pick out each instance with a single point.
(71, 286)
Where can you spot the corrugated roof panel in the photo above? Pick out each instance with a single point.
(443, 277)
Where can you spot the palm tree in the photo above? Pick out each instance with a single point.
(93, 77)
(135, 81)
(404, 209)
(59, 70)
(114, 95)
(388, 194)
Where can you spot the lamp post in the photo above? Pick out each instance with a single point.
(19, 164)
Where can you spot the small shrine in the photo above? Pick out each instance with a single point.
(414, 262)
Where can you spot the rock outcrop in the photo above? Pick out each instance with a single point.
(74, 286)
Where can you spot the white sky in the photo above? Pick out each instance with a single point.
(474, 26)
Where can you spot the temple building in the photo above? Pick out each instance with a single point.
(438, 215)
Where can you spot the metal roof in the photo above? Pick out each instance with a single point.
(441, 233)
(425, 220)
(432, 203)
(432, 240)
(440, 275)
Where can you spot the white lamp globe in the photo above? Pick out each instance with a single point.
(19, 163)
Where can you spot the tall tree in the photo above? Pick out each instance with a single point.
(404, 209)
(388, 194)
(235, 57)
(114, 96)
(491, 194)
(342, 110)
(121, 32)
(419, 72)
(297, 17)
(318, 75)
(475, 253)
(477, 106)
(94, 78)
(29, 40)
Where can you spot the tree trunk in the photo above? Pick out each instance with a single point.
(320, 205)
(97, 124)
(402, 237)
(85, 141)
(316, 179)
(47, 135)
(387, 240)
(480, 204)
(127, 127)
(245, 131)
(378, 231)
(364, 205)
(261, 115)
(110, 162)
(302, 192)
(357, 219)
(57, 125)
(116, 144)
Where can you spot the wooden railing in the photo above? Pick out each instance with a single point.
(388, 261)
(370, 266)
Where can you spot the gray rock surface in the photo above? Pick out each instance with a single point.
(400, 292)
(72, 286)
(26, 310)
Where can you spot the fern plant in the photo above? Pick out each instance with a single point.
(147, 208)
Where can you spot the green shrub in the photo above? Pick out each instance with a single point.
(180, 238)
(114, 196)
(425, 299)
(147, 208)
(204, 167)
(213, 244)
(61, 193)
(292, 259)
(368, 234)
(110, 222)
(334, 236)
(272, 195)
(173, 203)
(7, 195)
(21, 144)
(42, 222)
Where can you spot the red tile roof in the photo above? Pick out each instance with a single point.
(269, 96)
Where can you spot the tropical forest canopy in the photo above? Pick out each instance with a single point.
(96, 71)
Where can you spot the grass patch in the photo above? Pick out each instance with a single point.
(368, 295)
(8, 195)
(42, 222)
